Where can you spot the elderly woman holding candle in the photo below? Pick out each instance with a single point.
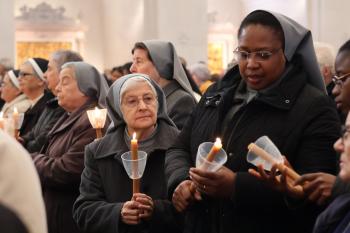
(61, 160)
(275, 90)
(136, 104)
(12, 95)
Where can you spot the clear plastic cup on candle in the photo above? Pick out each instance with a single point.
(134, 168)
(267, 145)
(9, 126)
(19, 122)
(201, 160)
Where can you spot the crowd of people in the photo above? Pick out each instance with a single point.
(56, 176)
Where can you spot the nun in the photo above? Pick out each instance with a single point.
(159, 60)
(275, 90)
(136, 104)
(61, 160)
(33, 84)
(12, 95)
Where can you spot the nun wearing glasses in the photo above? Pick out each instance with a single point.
(106, 203)
(275, 90)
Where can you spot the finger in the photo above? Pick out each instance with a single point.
(262, 172)
(197, 196)
(286, 162)
(179, 203)
(311, 187)
(322, 200)
(146, 207)
(306, 177)
(253, 172)
(144, 201)
(201, 180)
(315, 195)
(203, 173)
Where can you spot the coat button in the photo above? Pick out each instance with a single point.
(207, 102)
(287, 101)
(217, 102)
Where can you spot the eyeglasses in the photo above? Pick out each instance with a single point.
(132, 102)
(344, 132)
(339, 80)
(23, 74)
(262, 55)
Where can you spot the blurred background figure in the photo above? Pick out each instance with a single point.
(159, 60)
(38, 135)
(33, 84)
(12, 95)
(201, 75)
(325, 54)
(20, 191)
(5, 66)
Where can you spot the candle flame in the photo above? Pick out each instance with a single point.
(15, 111)
(134, 136)
(1, 114)
(218, 143)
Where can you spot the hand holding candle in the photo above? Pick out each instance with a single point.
(266, 156)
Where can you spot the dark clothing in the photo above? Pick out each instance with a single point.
(179, 103)
(31, 116)
(298, 118)
(105, 185)
(2, 103)
(60, 164)
(340, 187)
(37, 137)
(336, 218)
(9, 221)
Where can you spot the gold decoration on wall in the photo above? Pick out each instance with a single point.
(27, 50)
(215, 53)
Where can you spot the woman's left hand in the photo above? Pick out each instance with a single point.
(216, 184)
(146, 205)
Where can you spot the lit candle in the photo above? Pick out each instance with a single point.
(134, 148)
(214, 150)
(2, 121)
(15, 117)
(97, 118)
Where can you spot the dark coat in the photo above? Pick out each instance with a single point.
(179, 103)
(336, 218)
(10, 222)
(60, 164)
(105, 185)
(31, 116)
(37, 136)
(298, 118)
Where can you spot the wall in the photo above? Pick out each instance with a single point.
(88, 11)
(7, 34)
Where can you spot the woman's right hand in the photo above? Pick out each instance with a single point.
(184, 194)
(130, 213)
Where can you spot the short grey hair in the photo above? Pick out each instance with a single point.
(6, 63)
(64, 56)
(325, 54)
(200, 70)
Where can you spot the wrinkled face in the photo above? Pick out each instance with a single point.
(139, 107)
(257, 70)
(52, 75)
(8, 91)
(70, 98)
(342, 146)
(143, 65)
(28, 81)
(341, 91)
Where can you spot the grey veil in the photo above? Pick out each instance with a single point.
(90, 81)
